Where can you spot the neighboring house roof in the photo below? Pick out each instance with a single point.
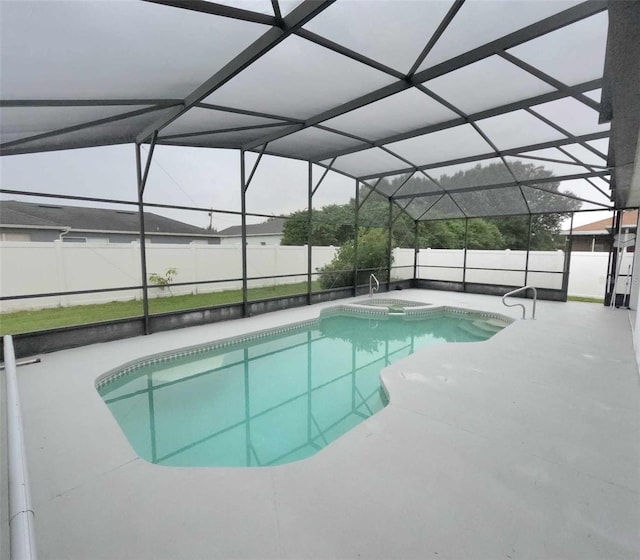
(10, 216)
(80, 218)
(272, 227)
(603, 227)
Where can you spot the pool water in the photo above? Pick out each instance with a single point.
(275, 399)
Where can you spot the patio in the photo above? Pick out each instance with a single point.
(523, 446)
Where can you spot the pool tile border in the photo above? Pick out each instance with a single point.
(410, 314)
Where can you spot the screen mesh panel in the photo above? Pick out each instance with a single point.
(419, 184)
(525, 169)
(540, 200)
(402, 112)
(484, 172)
(112, 50)
(311, 142)
(23, 122)
(117, 132)
(299, 79)
(488, 83)
(443, 145)
(508, 200)
(481, 21)
(503, 93)
(206, 120)
(235, 139)
(517, 129)
(343, 24)
(590, 155)
(572, 54)
(372, 161)
(572, 115)
(417, 207)
(444, 208)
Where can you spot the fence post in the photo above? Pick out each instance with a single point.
(135, 265)
(61, 277)
(196, 275)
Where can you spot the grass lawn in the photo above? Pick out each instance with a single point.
(42, 319)
(586, 299)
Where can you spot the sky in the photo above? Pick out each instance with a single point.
(198, 177)
(210, 178)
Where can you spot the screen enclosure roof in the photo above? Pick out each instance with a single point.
(450, 108)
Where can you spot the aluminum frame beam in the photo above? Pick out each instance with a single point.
(82, 126)
(473, 117)
(489, 155)
(524, 182)
(274, 36)
(218, 10)
(570, 90)
(542, 27)
(86, 102)
(141, 184)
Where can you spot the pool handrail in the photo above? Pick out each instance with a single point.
(372, 288)
(21, 515)
(521, 290)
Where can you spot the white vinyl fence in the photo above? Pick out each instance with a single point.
(31, 268)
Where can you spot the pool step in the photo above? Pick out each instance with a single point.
(490, 325)
(480, 330)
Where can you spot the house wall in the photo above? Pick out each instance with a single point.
(48, 235)
(42, 235)
(598, 243)
(253, 240)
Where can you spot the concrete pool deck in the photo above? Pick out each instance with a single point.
(523, 446)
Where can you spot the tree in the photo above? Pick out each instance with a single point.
(331, 225)
(372, 257)
(334, 225)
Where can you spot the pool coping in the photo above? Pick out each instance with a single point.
(410, 314)
(547, 442)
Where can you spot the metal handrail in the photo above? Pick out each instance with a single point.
(372, 289)
(520, 290)
(21, 516)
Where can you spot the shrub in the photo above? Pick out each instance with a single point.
(372, 258)
(163, 280)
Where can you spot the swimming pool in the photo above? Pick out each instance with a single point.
(277, 396)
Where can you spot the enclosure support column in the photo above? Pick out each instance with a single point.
(610, 288)
(526, 262)
(389, 243)
(244, 185)
(416, 250)
(142, 180)
(567, 262)
(243, 210)
(355, 240)
(309, 232)
(464, 255)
